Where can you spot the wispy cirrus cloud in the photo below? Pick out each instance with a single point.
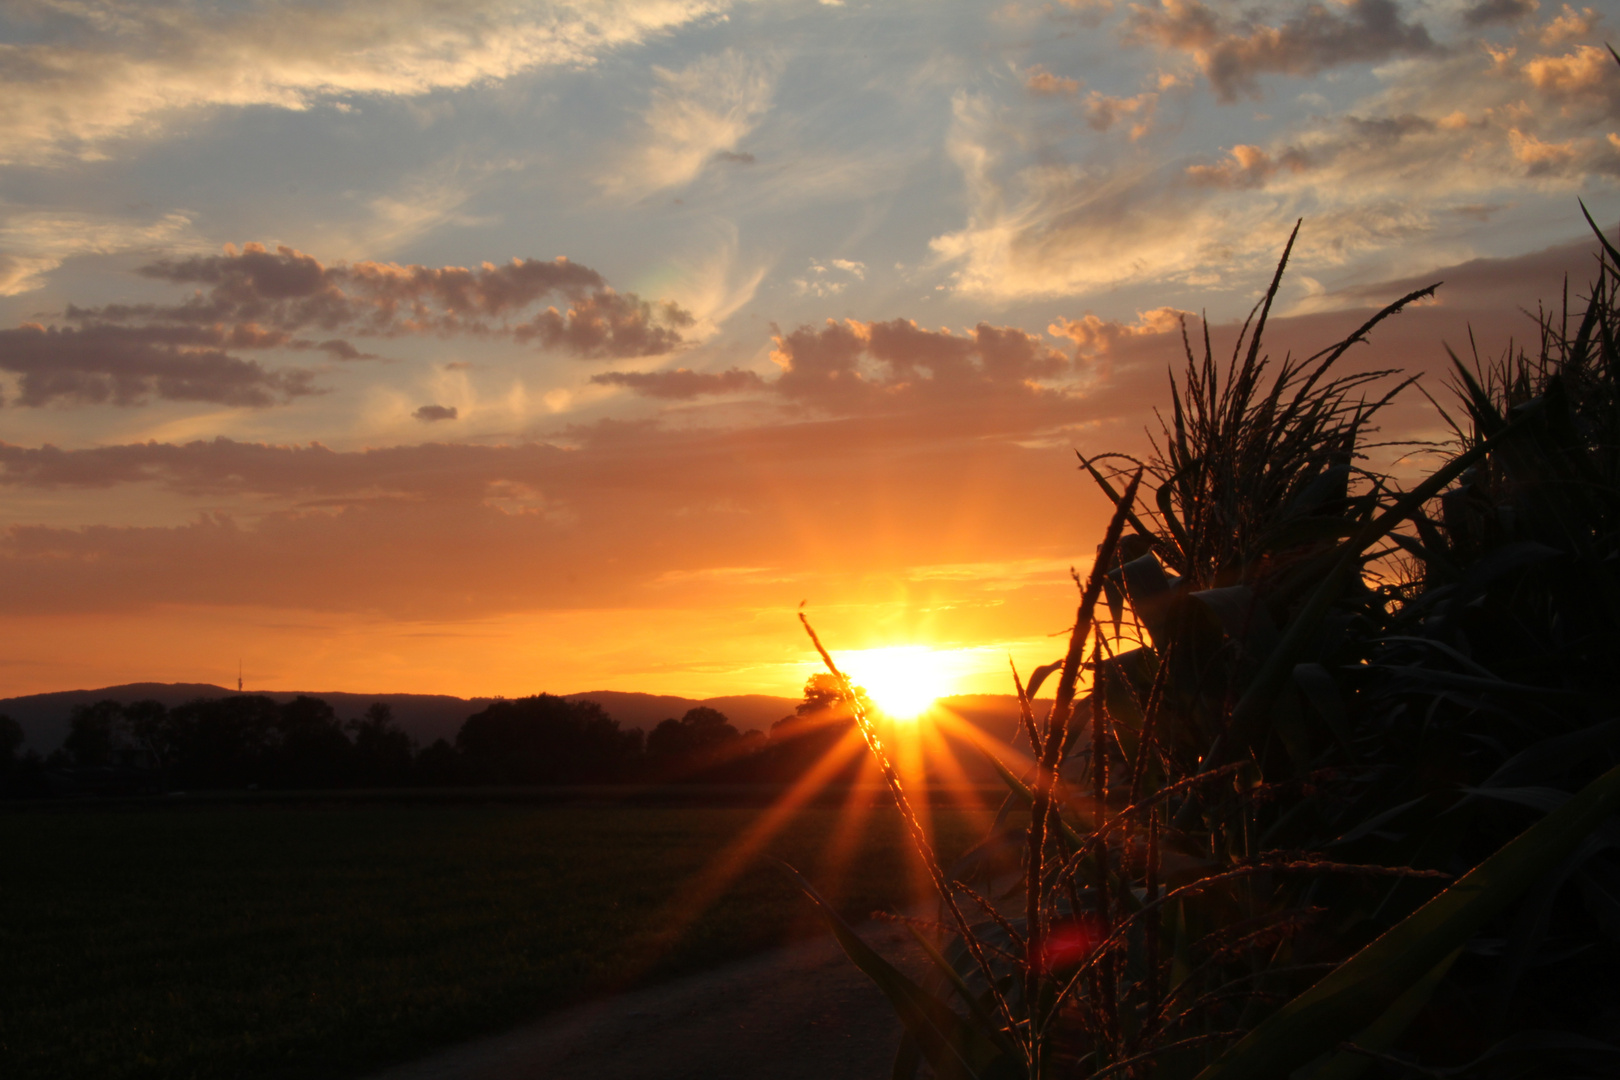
(696, 115)
(1448, 131)
(35, 242)
(101, 70)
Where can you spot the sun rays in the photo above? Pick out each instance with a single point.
(940, 754)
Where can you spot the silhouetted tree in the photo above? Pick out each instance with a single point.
(95, 737)
(309, 746)
(817, 725)
(702, 729)
(11, 740)
(224, 742)
(20, 774)
(438, 765)
(546, 740)
(145, 724)
(382, 752)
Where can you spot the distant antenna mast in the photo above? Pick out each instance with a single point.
(239, 675)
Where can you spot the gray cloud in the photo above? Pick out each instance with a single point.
(430, 413)
(1490, 12)
(1234, 52)
(122, 365)
(899, 365)
(258, 299)
(290, 291)
(607, 324)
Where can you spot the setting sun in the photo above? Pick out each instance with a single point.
(903, 680)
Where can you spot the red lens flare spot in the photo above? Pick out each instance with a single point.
(1068, 943)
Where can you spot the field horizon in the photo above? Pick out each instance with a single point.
(45, 717)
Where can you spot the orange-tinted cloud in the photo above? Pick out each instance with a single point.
(898, 365)
(1246, 167)
(1234, 52)
(1093, 336)
(1041, 81)
(1103, 111)
(1569, 24)
(952, 450)
(1584, 76)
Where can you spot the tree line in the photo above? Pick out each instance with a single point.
(248, 741)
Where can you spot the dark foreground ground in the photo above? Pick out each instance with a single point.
(798, 1012)
(330, 939)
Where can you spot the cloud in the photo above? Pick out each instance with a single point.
(1042, 227)
(606, 324)
(290, 291)
(1094, 336)
(1404, 168)
(1569, 24)
(1246, 167)
(1491, 12)
(697, 115)
(1585, 76)
(1040, 81)
(254, 298)
(884, 366)
(338, 349)
(99, 71)
(432, 413)
(829, 278)
(35, 242)
(1541, 158)
(944, 445)
(99, 363)
(1103, 112)
(1234, 52)
(681, 383)
(898, 365)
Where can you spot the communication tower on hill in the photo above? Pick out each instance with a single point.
(238, 676)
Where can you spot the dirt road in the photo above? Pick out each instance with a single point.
(803, 1011)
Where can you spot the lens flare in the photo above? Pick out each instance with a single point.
(903, 680)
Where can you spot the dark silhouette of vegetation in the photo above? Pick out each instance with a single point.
(546, 740)
(1329, 785)
(248, 741)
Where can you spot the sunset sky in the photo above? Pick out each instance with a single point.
(490, 347)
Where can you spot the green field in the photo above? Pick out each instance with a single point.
(325, 939)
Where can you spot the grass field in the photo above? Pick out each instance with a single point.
(321, 940)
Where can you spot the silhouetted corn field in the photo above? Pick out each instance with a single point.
(1328, 787)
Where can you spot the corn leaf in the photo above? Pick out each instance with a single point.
(1357, 992)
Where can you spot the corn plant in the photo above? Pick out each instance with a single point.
(1284, 816)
